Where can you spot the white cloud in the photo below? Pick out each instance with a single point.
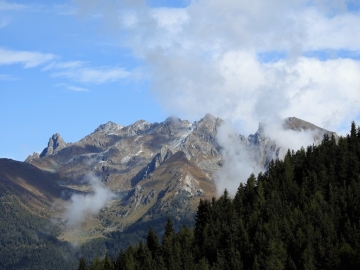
(65, 9)
(203, 58)
(85, 206)
(72, 87)
(82, 72)
(4, 22)
(77, 89)
(337, 32)
(76, 70)
(93, 75)
(5, 5)
(26, 58)
(7, 77)
(64, 65)
(238, 161)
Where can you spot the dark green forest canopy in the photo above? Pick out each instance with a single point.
(302, 213)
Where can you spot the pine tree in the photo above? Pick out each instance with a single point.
(152, 243)
(121, 260)
(108, 264)
(143, 257)
(97, 264)
(82, 265)
(168, 247)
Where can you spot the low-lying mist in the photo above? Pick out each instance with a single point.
(82, 206)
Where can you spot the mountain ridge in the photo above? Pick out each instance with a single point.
(156, 169)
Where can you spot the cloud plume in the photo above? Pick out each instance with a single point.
(85, 206)
(27, 58)
(238, 161)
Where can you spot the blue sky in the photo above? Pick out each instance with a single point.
(35, 102)
(69, 66)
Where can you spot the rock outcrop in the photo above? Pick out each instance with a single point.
(56, 143)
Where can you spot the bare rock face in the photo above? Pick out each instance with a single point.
(297, 124)
(109, 128)
(201, 146)
(263, 148)
(56, 143)
(33, 156)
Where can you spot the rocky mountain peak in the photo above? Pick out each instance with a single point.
(261, 129)
(109, 127)
(297, 124)
(206, 128)
(138, 127)
(141, 125)
(55, 144)
(172, 120)
(209, 117)
(33, 156)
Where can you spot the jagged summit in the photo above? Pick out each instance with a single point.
(209, 117)
(297, 124)
(109, 127)
(55, 144)
(172, 119)
(140, 124)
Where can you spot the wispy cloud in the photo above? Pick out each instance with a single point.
(27, 58)
(6, 5)
(65, 9)
(7, 77)
(4, 22)
(77, 89)
(64, 65)
(79, 71)
(82, 207)
(82, 72)
(94, 75)
(72, 87)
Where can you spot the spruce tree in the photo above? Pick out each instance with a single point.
(82, 265)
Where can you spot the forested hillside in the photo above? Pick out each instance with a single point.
(302, 213)
(28, 239)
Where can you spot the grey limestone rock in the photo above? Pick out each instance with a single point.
(33, 156)
(108, 127)
(56, 143)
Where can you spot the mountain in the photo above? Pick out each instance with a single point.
(118, 181)
(154, 169)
